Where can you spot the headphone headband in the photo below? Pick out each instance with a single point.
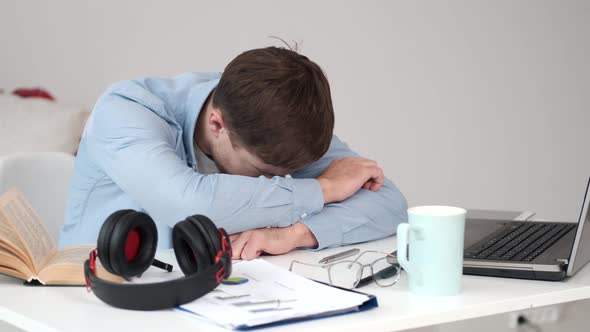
(166, 294)
(154, 296)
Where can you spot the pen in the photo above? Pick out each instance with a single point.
(340, 255)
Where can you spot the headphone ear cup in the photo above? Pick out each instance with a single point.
(104, 238)
(190, 247)
(213, 237)
(209, 232)
(133, 244)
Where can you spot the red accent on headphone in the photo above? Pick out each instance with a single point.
(224, 245)
(132, 244)
(92, 259)
(225, 248)
(220, 274)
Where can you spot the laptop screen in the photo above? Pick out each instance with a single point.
(581, 249)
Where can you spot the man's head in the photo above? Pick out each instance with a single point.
(271, 113)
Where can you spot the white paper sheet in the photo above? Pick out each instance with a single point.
(287, 295)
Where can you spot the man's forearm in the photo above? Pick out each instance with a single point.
(364, 217)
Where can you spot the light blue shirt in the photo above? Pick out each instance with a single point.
(137, 153)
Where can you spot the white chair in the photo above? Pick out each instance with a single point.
(44, 178)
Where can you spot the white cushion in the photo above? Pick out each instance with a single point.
(37, 125)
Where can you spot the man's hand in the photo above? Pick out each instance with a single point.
(346, 176)
(275, 241)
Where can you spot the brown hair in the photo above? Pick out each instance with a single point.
(277, 105)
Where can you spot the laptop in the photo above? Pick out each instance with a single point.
(528, 249)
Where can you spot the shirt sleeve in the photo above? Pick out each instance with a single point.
(365, 216)
(137, 149)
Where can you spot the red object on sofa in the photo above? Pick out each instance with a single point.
(33, 93)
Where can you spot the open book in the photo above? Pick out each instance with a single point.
(29, 252)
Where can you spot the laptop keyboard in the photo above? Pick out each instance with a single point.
(519, 241)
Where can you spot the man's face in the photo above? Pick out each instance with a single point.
(239, 161)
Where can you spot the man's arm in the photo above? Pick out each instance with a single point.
(137, 149)
(366, 215)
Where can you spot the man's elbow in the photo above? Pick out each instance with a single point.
(396, 206)
(401, 210)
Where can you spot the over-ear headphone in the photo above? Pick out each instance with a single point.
(127, 245)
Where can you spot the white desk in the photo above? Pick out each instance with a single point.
(73, 309)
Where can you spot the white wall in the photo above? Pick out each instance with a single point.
(473, 103)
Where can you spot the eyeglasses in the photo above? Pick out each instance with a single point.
(349, 273)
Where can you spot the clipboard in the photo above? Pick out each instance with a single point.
(231, 306)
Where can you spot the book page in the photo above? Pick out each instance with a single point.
(12, 261)
(39, 244)
(67, 267)
(72, 255)
(13, 273)
(10, 241)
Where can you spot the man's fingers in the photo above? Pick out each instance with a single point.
(375, 186)
(255, 245)
(379, 179)
(247, 245)
(376, 178)
(368, 162)
(251, 249)
(375, 174)
(238, 244)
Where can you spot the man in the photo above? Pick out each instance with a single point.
(252, 149)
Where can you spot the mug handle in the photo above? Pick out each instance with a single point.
(403, 230)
